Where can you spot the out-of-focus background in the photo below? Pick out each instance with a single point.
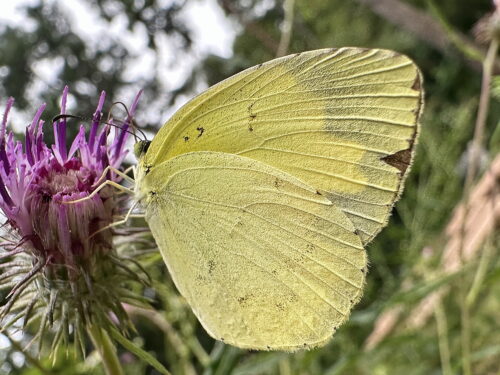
(432, 299)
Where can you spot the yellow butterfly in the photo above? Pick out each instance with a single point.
(263, 191)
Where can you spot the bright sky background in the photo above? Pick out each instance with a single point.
(212, 33)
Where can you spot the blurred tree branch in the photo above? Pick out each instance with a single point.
(287, 27)
(430, 30)
(250, 26)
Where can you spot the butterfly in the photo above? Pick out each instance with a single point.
(263, 191)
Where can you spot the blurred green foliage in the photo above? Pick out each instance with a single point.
(399, 271)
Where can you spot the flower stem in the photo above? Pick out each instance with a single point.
(482, 113)
(106, 349)
(442, 331)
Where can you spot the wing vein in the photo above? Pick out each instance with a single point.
(340, 177)
(316, 156)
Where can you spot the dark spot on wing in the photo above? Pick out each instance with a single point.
(251, 116)
(186, 138)
(400, 160)
(211, 266)
(243, 300)
(201, 130)
(310, 248)
(417, 85)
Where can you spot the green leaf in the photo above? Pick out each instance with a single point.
(139, 352)
(263, 363)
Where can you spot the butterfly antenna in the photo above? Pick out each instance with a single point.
(119, 126)
(110, 118)
(109, 121)
(129, 116)
(60, 117)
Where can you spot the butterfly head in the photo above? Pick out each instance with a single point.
(140, 149)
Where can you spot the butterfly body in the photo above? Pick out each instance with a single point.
(262, 192)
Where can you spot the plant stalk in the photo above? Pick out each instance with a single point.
(286, 34)
(106, 349)
(482, 113)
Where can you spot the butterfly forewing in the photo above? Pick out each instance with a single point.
(332, 118)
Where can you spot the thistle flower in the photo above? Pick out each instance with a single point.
(59, 259)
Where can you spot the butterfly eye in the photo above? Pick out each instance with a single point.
(140, 148)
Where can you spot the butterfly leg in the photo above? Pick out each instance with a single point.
(123, 174)
(102, 186)
(128, 215)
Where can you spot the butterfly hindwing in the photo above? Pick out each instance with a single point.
(264, 261)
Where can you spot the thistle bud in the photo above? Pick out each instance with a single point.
(488, 27)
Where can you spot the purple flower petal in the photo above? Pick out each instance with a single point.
(3, 127)
(123, 134)
(77, 142)
(60, 128)
(96, 120)
(5, 195)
